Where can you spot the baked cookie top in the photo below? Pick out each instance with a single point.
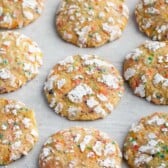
(18, 131)
(152, 18)
(146, 144)
(83, 87)
(146, 70)
(80, 147)
(19, 13)
(20, 59)
(90, 23)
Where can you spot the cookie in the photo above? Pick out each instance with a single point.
(20, 59)
(91, 23)
(146, 70)
(151, 16)
(80, 147)
(146, 144)
(83, 87)
(19, 13)
(18, 131)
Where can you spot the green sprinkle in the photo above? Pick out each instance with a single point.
(102, 70)
(131, 139)
(90, 35)
(90, 68)
(5, 61)
(89, 147)
(24, 109)
(15, 123)
(165, 148)
(158, 96)
(150, 59)
(161, 155)
(1, 136)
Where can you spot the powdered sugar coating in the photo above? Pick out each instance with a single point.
(152, 19)
(18, 131)
(146, 71)
(84, 146)
(91, 23)
(17, 14)
(149, 143)
(89, 91)
(20, 60)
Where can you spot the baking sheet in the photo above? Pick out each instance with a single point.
(130, 109)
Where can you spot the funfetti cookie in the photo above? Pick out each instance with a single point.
(146, 144)
(88, 23)
(80, 147)
(83, 87)
(146, 70)
(152, 18)
(20, 60)
(19, 13)
(18, 130)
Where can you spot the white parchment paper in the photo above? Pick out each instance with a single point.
(130, 109)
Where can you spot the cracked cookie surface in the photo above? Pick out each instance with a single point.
(18, 130)
(152, 18)
(146, 144)
(80, 147)
(91, 23)
(20, 60)
(19, 13)
(145, 69)
(83, 87)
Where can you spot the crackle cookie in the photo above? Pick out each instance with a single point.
(83, 87)
(146, 144)
(18, 131)
(152, 18)
(80, 147)
(146, 70)
(20, 59)
(19, 13)
(91, 23)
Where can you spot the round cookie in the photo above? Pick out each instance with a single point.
(146, 144)
(83, 87)
(80, 147)
(91, 23)
(20, 59)
(19, 13)
(152, 18)
(18, 131)
(146, 70)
